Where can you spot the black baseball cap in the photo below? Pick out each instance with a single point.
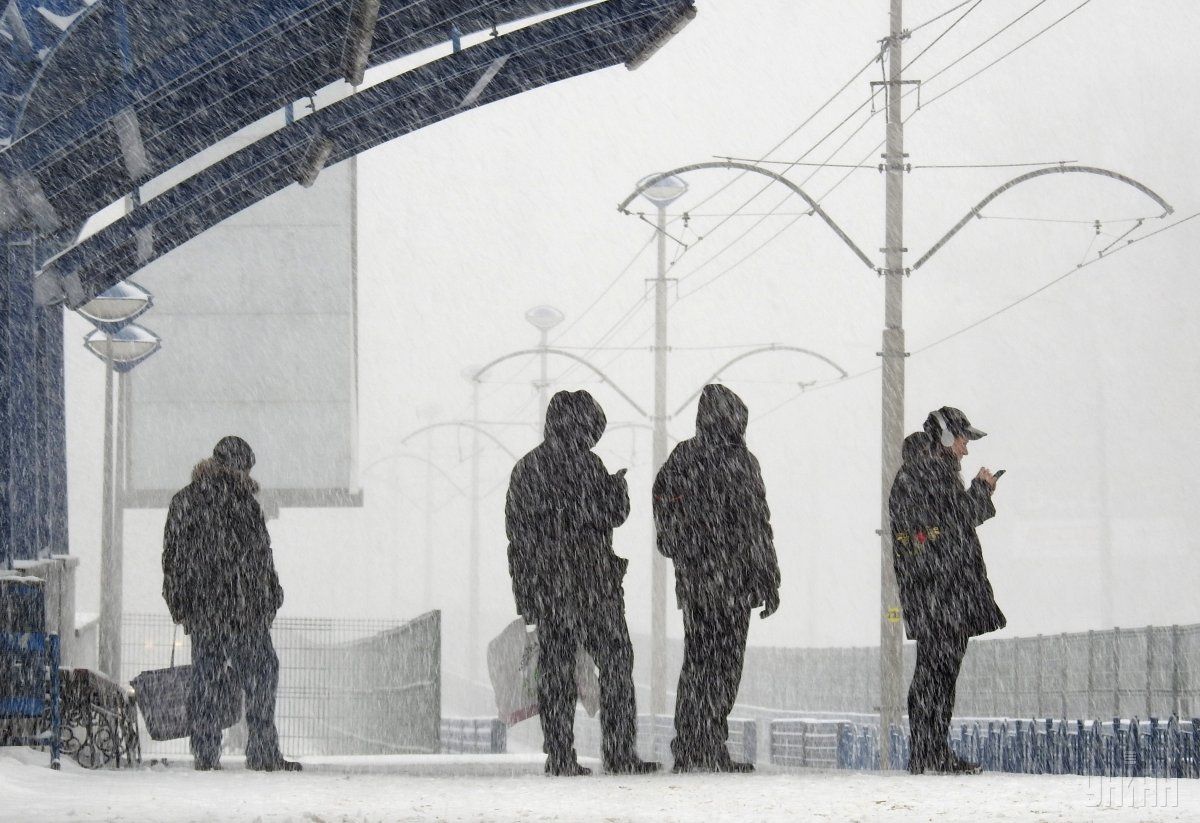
(948, 418)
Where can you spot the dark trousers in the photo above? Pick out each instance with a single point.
(602, 632)
(241, 663)
(714, 648)
(931, 696)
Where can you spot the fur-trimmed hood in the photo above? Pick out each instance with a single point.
(211, 471)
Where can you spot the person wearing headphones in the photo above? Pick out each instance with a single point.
(944, 589)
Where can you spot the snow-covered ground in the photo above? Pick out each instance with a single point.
(511, 788)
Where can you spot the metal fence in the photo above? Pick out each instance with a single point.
(345, 686)
(1152, 671)
(1116, 748)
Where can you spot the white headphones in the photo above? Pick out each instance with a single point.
(947, 435)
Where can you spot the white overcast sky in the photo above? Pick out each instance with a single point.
(1087, 388)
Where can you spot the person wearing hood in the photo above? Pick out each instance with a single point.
(712, 520)
(220, 584)
(945, 594)
(561, 509)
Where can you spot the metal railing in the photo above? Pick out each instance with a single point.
(474, 735)
(1148, 671)
(1114, 748)
(345, 686)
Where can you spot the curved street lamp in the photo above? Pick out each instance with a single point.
(116, 307)
(124, 348)
(661, 189)
(543, 318)
(122, 345)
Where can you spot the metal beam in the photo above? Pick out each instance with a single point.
(563, 47)
(359, 36)
(603, 377)
(975, 212)
(771, 348)
(750, 167)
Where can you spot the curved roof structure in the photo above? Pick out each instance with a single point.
(99, 96)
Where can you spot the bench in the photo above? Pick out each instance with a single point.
(99, 720)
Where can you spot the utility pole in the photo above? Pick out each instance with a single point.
(658, 564)
(109, 652)
(893, 354)
(661, 193)
(474, 647)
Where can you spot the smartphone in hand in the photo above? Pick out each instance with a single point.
(999, 473)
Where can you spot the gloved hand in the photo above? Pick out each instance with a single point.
(771, 606)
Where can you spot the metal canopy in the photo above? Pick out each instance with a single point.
(566, 46)
(97, 97)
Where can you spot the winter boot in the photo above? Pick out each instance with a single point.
(956, 765)
(725, 763)
(277, 765)
(633, 765)
(567, 766)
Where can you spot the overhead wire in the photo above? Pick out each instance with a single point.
(628, 315)
(1021, 45)
(987, 40)
(948, 29)
(946, 13)
(1053, 282)
(875, 58)
(938, 73)
(876, 148)
(989, 317)
(798, 128)
(792, 164)
(820, 166)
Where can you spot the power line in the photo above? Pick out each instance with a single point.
(760, 221)
(607, 288)
(826, 164)
(1010, 52)
(948, 29)
(792, 163)
(947, 12)
(1056, 280)
(938, 73)
(798, 161)
(804, 123)
(993, 36)
(813, 389)
(988, 317)
(1099, 220)
(942, 94)
(992, 165)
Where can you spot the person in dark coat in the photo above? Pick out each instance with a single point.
(711, 518)
(945, 593)
(220, 584)
(560, 514)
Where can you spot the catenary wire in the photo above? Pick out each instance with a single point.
(986, 318)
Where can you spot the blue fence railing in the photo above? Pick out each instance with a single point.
(1116, 748)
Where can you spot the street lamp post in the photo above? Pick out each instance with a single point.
(473, 645)
(543, 318)
(121, 347)
(662, 192)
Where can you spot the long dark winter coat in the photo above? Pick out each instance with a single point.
(710, 510)
(944, 586)
(560, 514)
(218, 569)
